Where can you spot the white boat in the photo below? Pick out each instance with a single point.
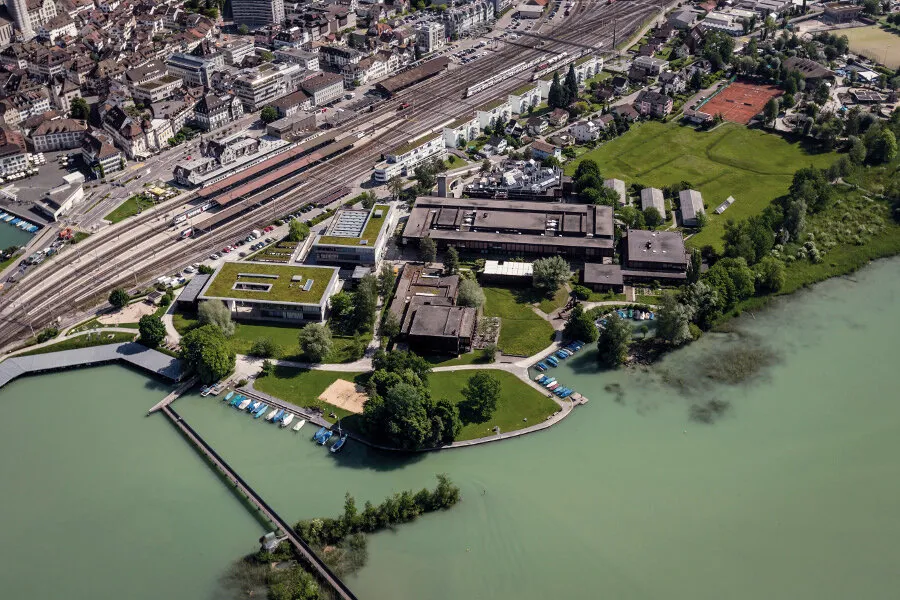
(244, 403)
(272, 414)
(299, 424)
(286, 420)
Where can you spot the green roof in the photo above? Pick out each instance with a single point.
(284, 288)
(492, 104)
(404, 148)
(522, 89)
(583, 59)
(370, 232)
(460, 122)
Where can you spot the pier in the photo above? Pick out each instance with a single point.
(147, 359)
(181, 389)
(325, 574)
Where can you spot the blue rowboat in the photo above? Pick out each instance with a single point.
(254, 406)
(336, 447)
(228, 397)
(552, 361)
(325, 437)
(318, 435)
(236, 400)
(278, 416)
(260, 411)
(15, 221)
(652, 316)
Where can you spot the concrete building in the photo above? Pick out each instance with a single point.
(430, 37)
(355, 237)
(261, 85)
(265, 291)
(157, 89)
(213, 111)
(618, 186)
(324, 88)
(461, 130)
(235, 51)
(691, 207)
(100, 155)
(60, 200)
(654, 256)
(13, 157)
(403, 159)
(309, 61)
(512, 227)
(195, 70)
(257, 12)
(464, 19)
(59, 134)
(653, 198)
(842, 12)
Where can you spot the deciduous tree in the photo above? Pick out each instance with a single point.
(315, 342)
(612, 343)
(481, 396)
(119, 298)
(152, 329)
(550, 273)
(470, 294)
(214, 312)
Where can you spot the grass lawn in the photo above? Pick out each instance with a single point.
(8, 261)
(522, 332)
(753, 166)
(455, 162)
(303, 387)
(83, 341)
(877, 43)
(469, 358)
(559, 299)
(134, 205)
(518, 401)
(606, 297)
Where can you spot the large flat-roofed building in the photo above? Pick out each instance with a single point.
(654, 255)
(406, 157)
(262, 291)
(512, 227)
(258, 12)
(842, 12)
(355, 237)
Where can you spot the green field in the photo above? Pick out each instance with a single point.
(518, 401)
(879, 44)
(84, 341)
(753, 166)
(133, 206)
(559, 299)
(280, 277)
(455, 162)
(522, 332)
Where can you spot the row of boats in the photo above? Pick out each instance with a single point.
(276, 415)
(554, 386)
(20, 223)
(561, 354)
(636, 314)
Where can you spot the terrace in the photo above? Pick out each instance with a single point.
(262, 282)
(369, 232)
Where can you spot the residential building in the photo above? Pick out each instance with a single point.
(235, 51)
(288, 106)
(257, 12)
(309, 61)
(585, 131)
(214, 111)
(261, 85)
(58, 134)
(157, 89)
(372, 68)
(558, 117)
(541, 150)
(194, 69)
(461, 130)
(691, 202)
(724, 22)
(60, 26)
(587, 67)
(512, 227)
(403, 159)
(324, 88)
(337, 57)
(654, 104)
(13, 155)
(653, 198)
(671, 82)
(467, 18)
(525, 97)
(493, 111)
(536, 125)
(355, 237)
(177, 112)
(100, 155)
(265, 291)
(430, 37)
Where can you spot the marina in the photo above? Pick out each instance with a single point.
(18, 222)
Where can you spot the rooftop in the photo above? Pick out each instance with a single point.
(264, 282)
(599, 274)
(413, 144)
(656, 246)
(349, 227)
(443, 321)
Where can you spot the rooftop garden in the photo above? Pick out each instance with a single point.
(283, 288)
(370, 232)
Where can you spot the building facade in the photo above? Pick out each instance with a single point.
(257, 12)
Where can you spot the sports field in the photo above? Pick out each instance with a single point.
(876, 43)
(753, 166)
(740, 102)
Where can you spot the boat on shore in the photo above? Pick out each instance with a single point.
(299, 424)
(336, 447)
(287, 419)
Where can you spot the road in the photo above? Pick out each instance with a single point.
(145, 247)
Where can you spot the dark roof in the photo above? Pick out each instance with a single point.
(443, 321)
(190, 292)
(599, 274)
(293, 99)
(656, 246)
(320, 82)
(808, 68)
(414, 75)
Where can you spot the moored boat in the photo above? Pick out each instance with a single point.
(254, 406)
(260, 411)
(287, 419)
(228, 397)
(325, 437)
(299, 424)
(244, 403)
(336, 447)
(278, 416)
(236, 400)
(272, 414)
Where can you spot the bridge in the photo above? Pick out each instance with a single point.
(325, 574)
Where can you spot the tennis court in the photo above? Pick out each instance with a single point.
(740, 102)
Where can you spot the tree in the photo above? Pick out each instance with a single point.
(481, 396)
(315, 342)
(297, 230)
(673, 320)
(400, 417)
(390, 328)
(265, 348)
(386, 280)
(696, 80)
(214, 312)
(571, 85)
(451, 261)
(79, 109)
(602, 196)
(857, 152)
(485, 166)
(267, 368)
(267, 56)
(268, 114)
(580, 326)
(427, 250)
(694, 268)
(489, 353)
(703, 301)
(119, 298)
(556, 97)
(612, 342)
(885, 147)
(550, 273)
(811, 185)
(243, 29)
(152, 329)
(297, 584)
(770, 275)
(470, 293)
(652, 218)
(770, 111)
(395, 186)
(426, 178)
(588, 167)
(368, 199)
(207, 352)
(445, 422)
(365, 303)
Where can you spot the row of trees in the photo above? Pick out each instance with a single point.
(589, 184)
(563, 93)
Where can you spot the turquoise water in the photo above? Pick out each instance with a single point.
(791, 493)
(10, 235)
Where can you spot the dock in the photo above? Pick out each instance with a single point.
(274, 402)
(138, 355)
(181, 389)
(303, 550)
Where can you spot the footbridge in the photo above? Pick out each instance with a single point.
(325, 574)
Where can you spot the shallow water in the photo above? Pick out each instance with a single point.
(10, 235)
(791, 493)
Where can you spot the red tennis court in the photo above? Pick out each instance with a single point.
(740, 102)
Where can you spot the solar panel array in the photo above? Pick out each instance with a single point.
(308, 285)
(349, 223)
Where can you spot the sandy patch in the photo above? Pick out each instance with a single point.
(345, 394)
(130, 314)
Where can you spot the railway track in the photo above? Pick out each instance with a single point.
(82, 280)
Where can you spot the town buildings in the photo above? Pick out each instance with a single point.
(58, 134)
(403, 159)
(257, 12)
(691, 202)
(213, 111)
(258, 86)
